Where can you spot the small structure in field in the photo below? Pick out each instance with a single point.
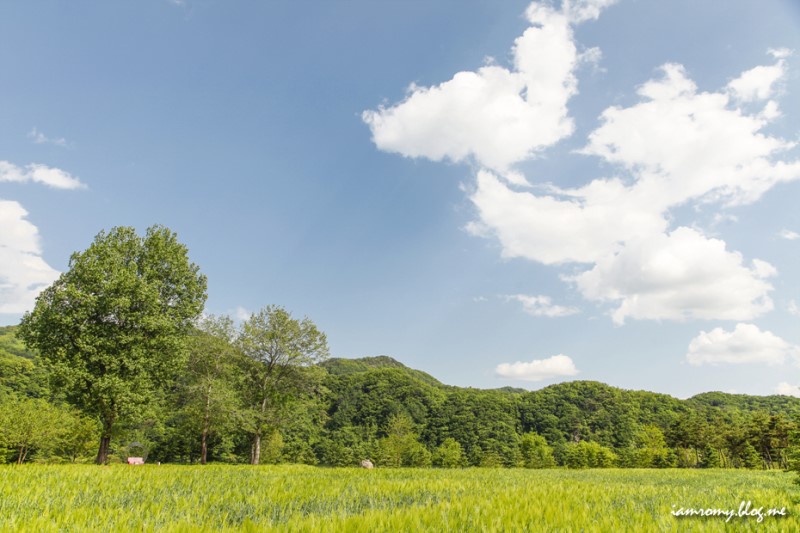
(366, 463)
(136, 453)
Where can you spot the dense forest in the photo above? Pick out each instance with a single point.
(377, 408)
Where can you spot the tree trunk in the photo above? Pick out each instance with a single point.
(255, 449)
(105, 441)
(23, 451)
(204, 446)
(206, 424)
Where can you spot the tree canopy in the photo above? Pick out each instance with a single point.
(112, 328)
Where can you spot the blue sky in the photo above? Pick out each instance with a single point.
(505, 193)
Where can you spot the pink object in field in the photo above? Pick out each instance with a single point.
(135, 460)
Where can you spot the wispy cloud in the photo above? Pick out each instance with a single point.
(40, 138)
(789, 235)
(50, 176)
(542, 306)
(539, 369)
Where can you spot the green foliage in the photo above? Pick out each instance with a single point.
(484, 423)
(279, 353)
(111, 330)
(206, 396)
(585, 454)
(400, 447)
(19, 372)
(535, 451)
(33, 426)
(449, 454)
(341, 367)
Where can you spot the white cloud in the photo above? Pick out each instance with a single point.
(745, 344)
(786, 389)
(793, 308)
(542, 306)
(682, 275)
(676, 146)
(23, 271)
(759, 83)
(680, 144)
(40, 138)
(50, 176)
(538, 369)
(579, 225)
(494, 116)
(578, 11)
(789, 235)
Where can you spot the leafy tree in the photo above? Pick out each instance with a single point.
(28, 424)
(449, 454)
(400, 447)
(750, 457)
(585, 454)
(112, 329)
(710, 457)
(279, 353)
(535, 451)
(208, 393)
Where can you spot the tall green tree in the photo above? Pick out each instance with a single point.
(208, 396)
(280, 354)
(112, 329)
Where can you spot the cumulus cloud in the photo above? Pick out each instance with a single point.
(542, 306)
(50, 176)
(759, 83)
(787, 389)
(580, 225)
(23, 271)
(675, 146)
(680, 144)
(538, 369)
(40, 138)
(745, 344)
(789, 235)
(677, 276)
(495, 116)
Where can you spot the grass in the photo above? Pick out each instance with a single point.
(40, 498)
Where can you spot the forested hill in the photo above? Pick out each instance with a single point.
(19, 373)
(339, 366)
(377, 407)
(637, 428)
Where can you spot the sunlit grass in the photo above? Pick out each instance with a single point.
(297, 498)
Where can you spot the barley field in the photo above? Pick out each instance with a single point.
(40, 498)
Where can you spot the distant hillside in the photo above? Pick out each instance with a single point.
(18, 370)
(341, 367)
(742, 402)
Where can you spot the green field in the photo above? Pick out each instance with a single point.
(41, 498)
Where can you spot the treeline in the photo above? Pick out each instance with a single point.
(344, 410)
(117, 357)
